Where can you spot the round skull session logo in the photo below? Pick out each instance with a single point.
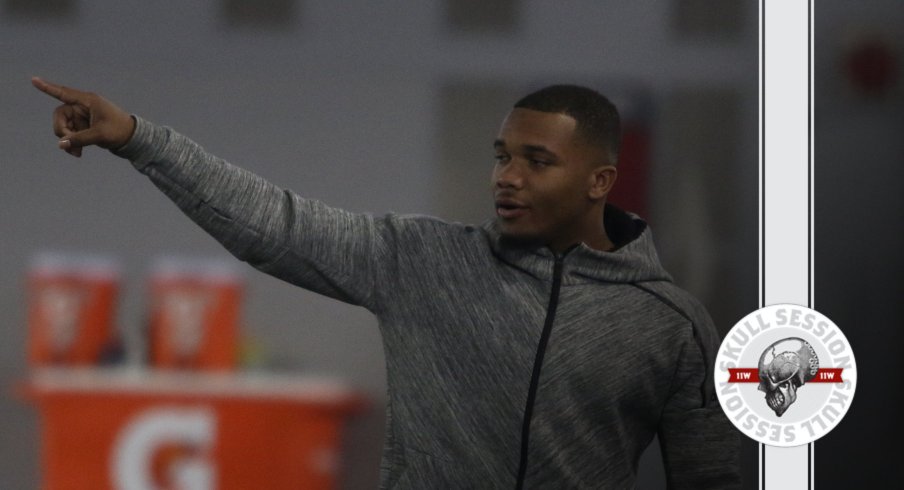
(784, 367)
(785, 375)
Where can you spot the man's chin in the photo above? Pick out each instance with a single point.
(513, 238)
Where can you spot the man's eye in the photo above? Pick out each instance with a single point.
(541, 163)
(501, 158)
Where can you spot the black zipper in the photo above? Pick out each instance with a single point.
(538, 365)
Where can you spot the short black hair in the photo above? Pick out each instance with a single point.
(597, 118)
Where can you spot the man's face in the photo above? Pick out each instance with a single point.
(542, 180)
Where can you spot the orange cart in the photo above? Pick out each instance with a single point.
(129, 429)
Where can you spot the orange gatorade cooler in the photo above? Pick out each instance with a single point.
(194, 314)
(71, 305)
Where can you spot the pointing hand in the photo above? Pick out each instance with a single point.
(86, 119)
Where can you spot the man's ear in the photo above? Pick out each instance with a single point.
(602, 180)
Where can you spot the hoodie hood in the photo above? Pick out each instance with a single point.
(634, 260)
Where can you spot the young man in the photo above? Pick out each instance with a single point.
(543, 349)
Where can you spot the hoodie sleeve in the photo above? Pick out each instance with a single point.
(700, 446)
(327, 250)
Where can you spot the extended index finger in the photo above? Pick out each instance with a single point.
(59, 92)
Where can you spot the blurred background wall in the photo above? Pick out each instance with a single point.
(859, 228)
(392, 106)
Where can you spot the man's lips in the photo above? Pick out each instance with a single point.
(507, 208)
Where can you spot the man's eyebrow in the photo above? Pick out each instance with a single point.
(500, 143)
(537, 149)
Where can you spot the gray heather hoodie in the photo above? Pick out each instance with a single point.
(500, 361)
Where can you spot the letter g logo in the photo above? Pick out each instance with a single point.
(165, 447)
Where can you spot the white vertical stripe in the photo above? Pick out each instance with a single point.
(785, 198)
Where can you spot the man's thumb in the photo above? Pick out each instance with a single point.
(79, 139)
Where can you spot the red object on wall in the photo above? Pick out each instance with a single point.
(871, 65)
(631, 191)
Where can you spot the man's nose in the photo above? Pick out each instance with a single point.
(509, 175)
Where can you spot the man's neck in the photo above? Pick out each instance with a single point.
(597, 241)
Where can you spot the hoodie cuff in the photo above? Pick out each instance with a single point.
(146, 142)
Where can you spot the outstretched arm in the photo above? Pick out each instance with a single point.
(327, 250)
(86, 119)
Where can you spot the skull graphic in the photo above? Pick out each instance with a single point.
(784, 367)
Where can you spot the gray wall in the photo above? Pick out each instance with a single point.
(859, 224)
(349, 103)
